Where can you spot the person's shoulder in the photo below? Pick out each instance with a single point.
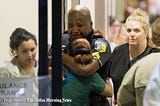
(65, 36)
(150, 57)
(123, 47)
(65, 39)
(98, 36)
(8, 65)
(7, 68)
(5, 64)
(146, 63)
(153, 55)
(144, 68)
(154, 50)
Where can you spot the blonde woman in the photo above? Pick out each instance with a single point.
(135, 80)
(123, 57)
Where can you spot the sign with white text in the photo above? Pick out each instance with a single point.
(18, 92)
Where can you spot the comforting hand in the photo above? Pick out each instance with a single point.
(83, 58)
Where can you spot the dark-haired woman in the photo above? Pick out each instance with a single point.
(23, 47)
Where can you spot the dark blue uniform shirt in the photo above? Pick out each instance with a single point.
(100, 49)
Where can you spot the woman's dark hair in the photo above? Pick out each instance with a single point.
(17, 37)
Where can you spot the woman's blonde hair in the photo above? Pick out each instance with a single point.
(142, 17)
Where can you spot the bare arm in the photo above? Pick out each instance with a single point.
(80, 69)
(108, 89)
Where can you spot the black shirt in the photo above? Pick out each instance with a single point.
(119, 63)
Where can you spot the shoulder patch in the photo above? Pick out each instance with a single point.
(96, 54)
(100, 46)
(98, 34)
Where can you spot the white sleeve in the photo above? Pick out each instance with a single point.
(152, 91)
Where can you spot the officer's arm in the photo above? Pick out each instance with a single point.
(80, 69)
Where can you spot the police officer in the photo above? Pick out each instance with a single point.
(80, 25)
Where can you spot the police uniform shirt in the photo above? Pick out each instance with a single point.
(100, 49)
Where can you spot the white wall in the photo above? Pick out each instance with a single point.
(90, 4)
(16, 13)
